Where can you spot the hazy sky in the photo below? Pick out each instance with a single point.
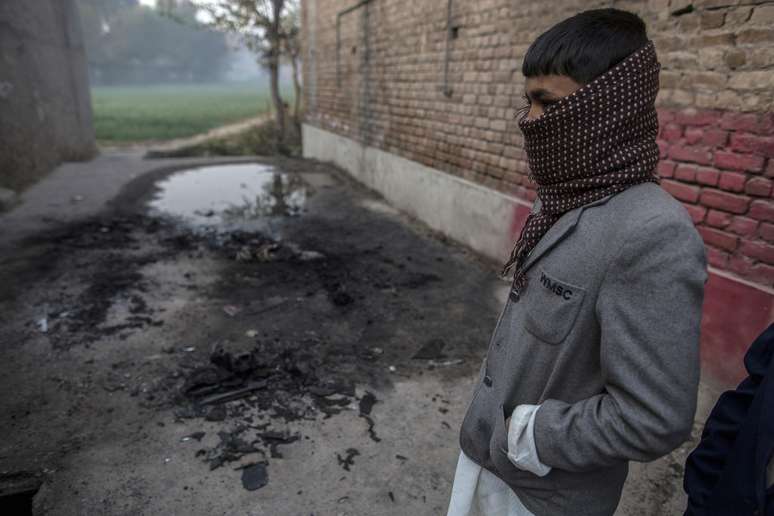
(202, 16)
(151, 3)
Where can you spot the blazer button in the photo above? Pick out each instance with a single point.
(487, 381)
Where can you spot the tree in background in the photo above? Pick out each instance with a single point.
(127, 43)
(267, 27)
(292, 49)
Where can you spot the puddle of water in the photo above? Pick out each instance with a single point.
(229, 194)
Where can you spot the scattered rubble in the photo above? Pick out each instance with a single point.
(232, 447)
(255, 477)
(43, 324)
(253, 379)
(196, 435)
(367, 402)
(348, 460)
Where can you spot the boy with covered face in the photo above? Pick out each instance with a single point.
(594, 360)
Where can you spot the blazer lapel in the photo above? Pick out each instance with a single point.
(559, 231)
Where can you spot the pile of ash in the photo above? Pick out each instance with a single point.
(281, 381)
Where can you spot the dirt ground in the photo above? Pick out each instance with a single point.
(314, 356)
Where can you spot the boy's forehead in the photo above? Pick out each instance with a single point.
(554, 85)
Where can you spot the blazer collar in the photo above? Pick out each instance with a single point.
(559, 230)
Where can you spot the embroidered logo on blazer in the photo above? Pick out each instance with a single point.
(554, 286)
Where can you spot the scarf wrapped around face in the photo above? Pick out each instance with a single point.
(597, 141)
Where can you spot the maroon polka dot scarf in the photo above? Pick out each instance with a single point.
(597, 141)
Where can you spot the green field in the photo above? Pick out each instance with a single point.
(142, 113)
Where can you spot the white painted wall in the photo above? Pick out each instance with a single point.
(471, 214)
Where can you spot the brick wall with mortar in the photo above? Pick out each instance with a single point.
(381, 83)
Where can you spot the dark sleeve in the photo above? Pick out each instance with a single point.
(706, 463)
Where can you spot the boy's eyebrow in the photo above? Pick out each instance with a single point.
(542, 93)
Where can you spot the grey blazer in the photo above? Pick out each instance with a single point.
(605, 337)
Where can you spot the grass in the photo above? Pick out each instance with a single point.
(141, 113)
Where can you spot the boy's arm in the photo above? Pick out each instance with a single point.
(649, 312)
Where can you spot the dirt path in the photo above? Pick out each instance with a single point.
(141, 148)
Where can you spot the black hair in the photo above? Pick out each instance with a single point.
(586, 45)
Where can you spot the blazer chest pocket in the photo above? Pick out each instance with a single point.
(552, 307)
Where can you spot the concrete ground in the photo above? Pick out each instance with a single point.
(121, 329)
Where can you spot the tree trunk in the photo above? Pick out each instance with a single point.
(297, 89)
(276, 98)
(275, 43)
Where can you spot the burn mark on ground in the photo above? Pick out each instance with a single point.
(299, 328)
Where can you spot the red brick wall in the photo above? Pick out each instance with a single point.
(717, 129)
(719, 164)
